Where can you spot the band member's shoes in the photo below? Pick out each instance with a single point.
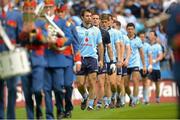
(60, 115)
(68, 114)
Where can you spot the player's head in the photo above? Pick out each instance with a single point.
(142, 35)
(117, 25)
(95, 19)
(105, 22)
(86, 16)
(152, 36)
(130, 29)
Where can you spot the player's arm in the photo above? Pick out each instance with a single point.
(110, 51)
(128, 54)
(122, 47)
(101, 54)
(150, 62)
(119, 62)
(141, 51)
(159, 58)
(160, 55)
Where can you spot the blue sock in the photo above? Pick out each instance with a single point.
(122, 99)
(146, 95)
(91, 102)
(135, 98)
(114, 96)
(105, 100)
(109, 100)
(131, 97)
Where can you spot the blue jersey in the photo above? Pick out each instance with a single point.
(12, 23)
(114, 39)
(147, 51)
(135, 45)
(156, 50)
(126, 42)
(89, 39)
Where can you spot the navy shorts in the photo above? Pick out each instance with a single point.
(124, 71)
(119, 71)
(155, 75)
(133, 69)
(144, 75)
(89, 65)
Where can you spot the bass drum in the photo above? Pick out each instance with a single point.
(14, 63)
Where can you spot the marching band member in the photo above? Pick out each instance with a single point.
(11, 20)
(32, 38)
(61, 14)
(59, 70)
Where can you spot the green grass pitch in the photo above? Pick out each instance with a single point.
(152, 111)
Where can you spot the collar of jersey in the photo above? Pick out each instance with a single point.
(86, 27)
(133, 37)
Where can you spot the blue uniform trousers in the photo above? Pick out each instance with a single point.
(11, 85)
(57, 79)
(33, 84)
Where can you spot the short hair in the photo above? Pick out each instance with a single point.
(130, 25)
(104, 17)
(141, 32)
(154, 32)
(95, 13)
(85, 10)
(118, 23)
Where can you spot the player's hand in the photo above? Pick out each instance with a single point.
(100, 64)
(119, 64)
(125, 63)
(77, 67)
(150, 68)
(144, 69)
(154, 61)
(113, 67)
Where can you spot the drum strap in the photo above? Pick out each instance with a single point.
(6, 38)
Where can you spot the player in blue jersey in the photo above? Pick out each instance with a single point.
(102, 71)
(117, 46)
(127, 52)
(134, 63)
(157, 56)
(148, 62)
(90, 38)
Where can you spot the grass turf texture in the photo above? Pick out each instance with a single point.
(152, 111)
